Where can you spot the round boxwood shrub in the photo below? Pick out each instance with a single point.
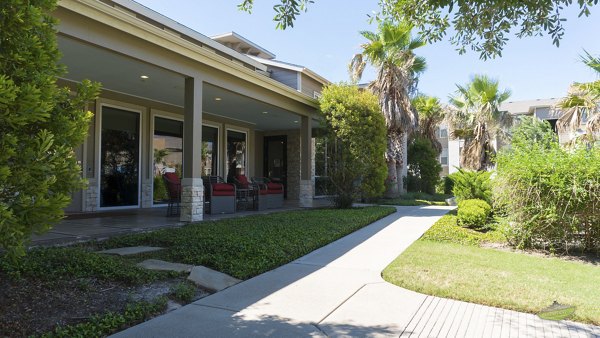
(473, 213)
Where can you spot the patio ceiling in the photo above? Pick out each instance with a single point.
(123, 74)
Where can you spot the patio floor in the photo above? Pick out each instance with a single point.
(101, 225)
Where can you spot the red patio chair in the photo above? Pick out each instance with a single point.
(222, 198)
(173, 183)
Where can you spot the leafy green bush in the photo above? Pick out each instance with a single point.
(469, 184)
(448, 185)
(423, 166)
(40, 124)
(552, 196)
(356, 134)
(111, 322)
(473, 213)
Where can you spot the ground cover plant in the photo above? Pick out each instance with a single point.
(459, 263)
(416, 198)
(247, 246)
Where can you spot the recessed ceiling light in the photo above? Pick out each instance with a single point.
(144, 77)
(295, 121)
(265, 112)
(218, 99)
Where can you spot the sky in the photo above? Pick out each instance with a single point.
(325, 38)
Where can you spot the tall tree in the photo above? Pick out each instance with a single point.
(582, 102)
(431, 114)
(40, 124)
(477, 120)
(391, 51)
(482, 26)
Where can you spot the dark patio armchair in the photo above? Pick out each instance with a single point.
(247, 191)
(173, 184)
(269, 192)
(222, 197)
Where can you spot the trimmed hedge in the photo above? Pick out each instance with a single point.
(473, 213)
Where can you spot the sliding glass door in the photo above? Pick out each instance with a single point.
(119, 158)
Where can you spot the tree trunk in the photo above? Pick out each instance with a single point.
(391, 183)
(394, 159)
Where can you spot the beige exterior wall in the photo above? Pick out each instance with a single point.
(310, 85)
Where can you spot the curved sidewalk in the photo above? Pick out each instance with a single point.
(338, 291)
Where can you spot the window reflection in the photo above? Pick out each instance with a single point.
(210, 146)
(168, 153)
(236, 154)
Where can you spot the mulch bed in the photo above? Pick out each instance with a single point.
(32, 307)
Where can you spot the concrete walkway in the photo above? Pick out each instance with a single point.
(338, 291)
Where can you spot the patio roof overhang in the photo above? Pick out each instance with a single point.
(122, 72)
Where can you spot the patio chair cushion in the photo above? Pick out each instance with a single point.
(263, 191)
(223, 189)
(275, 188)
(243, 181)
(173, 183)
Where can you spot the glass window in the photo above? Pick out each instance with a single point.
(443, 133)
(444, 160)
(168, 153)
(210, 150)
(236, 154)
(119, 158)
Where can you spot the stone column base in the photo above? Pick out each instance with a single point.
(192, 200)
(90, 201)
(147, 193)
(306, 193)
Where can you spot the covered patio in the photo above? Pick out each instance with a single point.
(102, 225)
(174, 101)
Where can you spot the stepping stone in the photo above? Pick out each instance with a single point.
(157, 264)
(211, 279)
(132, 250)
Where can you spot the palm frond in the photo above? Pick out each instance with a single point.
(356, 68)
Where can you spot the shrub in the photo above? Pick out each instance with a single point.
(473, 213)
(356, 136)
(40, 124)
(552, 195)
(448, 185)
(423, 166)
(469, 184)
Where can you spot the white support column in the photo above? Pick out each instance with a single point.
(306, 182)
(192, 188)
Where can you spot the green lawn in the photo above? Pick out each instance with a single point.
(418, 198)
(247, 246)
(438, 265)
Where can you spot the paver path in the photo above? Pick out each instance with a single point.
(338, 291)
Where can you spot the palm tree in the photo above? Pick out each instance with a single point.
(477, 120)
(582, 101)
(431, 114)
(390, 50)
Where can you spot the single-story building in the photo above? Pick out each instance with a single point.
(174, 100)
